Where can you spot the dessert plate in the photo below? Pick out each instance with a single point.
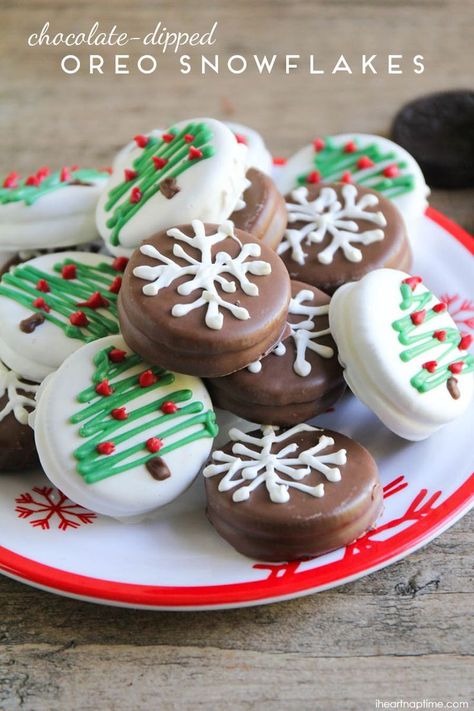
(178, 562)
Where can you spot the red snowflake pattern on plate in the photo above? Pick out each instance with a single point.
(419, 508)
(462, 310)
(46, 505)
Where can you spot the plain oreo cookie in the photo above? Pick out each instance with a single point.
(438, 130)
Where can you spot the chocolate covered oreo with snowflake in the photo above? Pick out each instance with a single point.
(338, 232)
(204, 299)
(52, 305)
(119, 436)
(17, 402)
(371, 161)
(283, 495)
(299, 379)
(193, 170)
(403, 355)
(49, 209)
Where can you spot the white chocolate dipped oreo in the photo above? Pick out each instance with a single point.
(194, 170)
(49, 210)
(371, 161)
(119, 436)
(403, 355)
(51, 305)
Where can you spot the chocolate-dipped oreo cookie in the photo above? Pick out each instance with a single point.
(284, 495)
(204, 299)
(262, 212)
(300, 378)
(17, 400)
(338, 232)
(437, 131)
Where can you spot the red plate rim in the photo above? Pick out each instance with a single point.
(271, 589)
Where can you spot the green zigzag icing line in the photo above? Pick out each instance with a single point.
(98, 425)
(20, 285)
(419, 341)
(332, 162)
(148, 178)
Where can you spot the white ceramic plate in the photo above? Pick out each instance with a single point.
(178, 561)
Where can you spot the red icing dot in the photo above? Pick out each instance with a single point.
(159, 162)
(119, 264)
(114, 288)
(194, 153)
(69, 271)
(169, 407)
(189, 138)
(106, 169)
(119, 413)
(438, 308)
(391, 171)
(278, 160)
(116, 355)
(65, 174)
(135, 195)
(95, 301)
(167, 137)
(456, 368)
(430, 366)
(104, 388)
(106, 448)
(313, 177)
(78, 318)
(33, 181)
(465, 342)
(240, 139)
(418, 317)
(350, 147)
(318, 144)
(40, 303)
(74, 167)
(129, 174)
(141, 140)
(346, 177)
(365, 162)
(147, 378)
(412, 282)
(43, 172)
(11, 181)
(154, 444)
(43, 285)
(440, 335)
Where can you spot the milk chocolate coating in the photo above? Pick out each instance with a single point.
(393, 251)
(17, 442)
(277, 395)
(305, 526)
(264, 215)
(185, 344)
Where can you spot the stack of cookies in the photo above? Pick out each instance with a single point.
(216, 285)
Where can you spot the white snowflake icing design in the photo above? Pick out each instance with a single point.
(303, 334)
(206, 272)
(16, 402)
(326, 215)
(264, 466)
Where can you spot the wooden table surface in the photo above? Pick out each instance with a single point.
(404, 632)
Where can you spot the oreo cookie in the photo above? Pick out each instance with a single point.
(438, 130)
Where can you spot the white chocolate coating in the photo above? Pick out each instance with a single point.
(61, 218)
(34, 355)
(129, 495)
(412, 204)
(209, 191)
(361, 315)
(258, 155)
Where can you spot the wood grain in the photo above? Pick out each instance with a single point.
(405, 632)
